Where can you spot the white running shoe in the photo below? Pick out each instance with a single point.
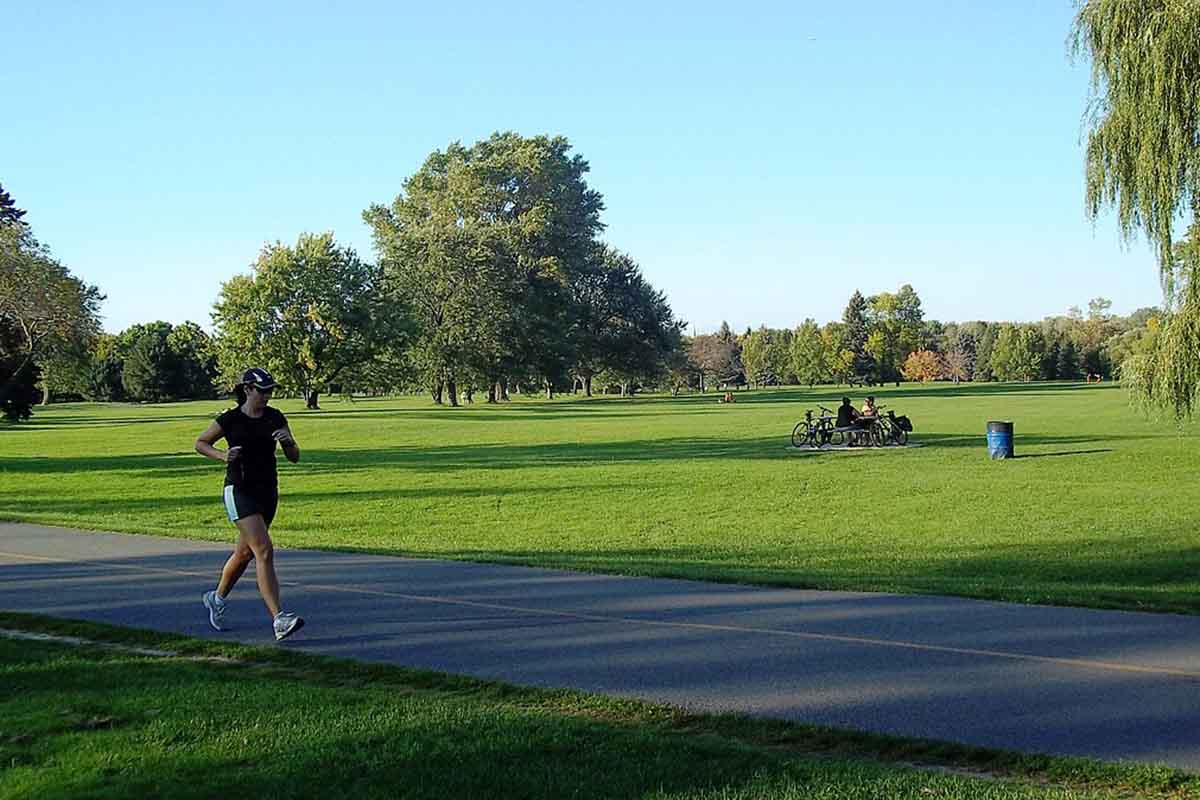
(286, 624)
(216, 610)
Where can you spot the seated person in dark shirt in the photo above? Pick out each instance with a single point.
(846, 414)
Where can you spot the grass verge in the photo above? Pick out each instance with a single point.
(96, 721)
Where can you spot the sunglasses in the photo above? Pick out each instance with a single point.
(260, 390)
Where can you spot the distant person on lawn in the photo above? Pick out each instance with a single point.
(869, 411)
(846, 414)
(251, 493)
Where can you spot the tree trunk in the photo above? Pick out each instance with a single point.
(437, 392)
(452, 390)
(549, 390)
(504, 391)
(624, 390)
(587, 386)
(469, 395)
(491, 394)
(310, 400)
(7, 387)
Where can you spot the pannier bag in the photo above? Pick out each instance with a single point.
(904, 423)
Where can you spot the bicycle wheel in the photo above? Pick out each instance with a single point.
(900, 436)
(876, 436)
(822, 434)
(883, 433)
(801, 434)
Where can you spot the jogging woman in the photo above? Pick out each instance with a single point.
(251, 493)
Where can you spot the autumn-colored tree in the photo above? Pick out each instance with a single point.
(924, 365)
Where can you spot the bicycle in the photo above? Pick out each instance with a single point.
(889, 429)
(817, 432)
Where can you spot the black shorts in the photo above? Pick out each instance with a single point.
(242, 502)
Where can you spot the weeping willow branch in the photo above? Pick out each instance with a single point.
(1143, 158)
(1143, 150)
(1167, 378)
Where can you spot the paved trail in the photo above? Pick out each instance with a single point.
(1107, 684)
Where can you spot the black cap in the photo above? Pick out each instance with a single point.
(257, 376)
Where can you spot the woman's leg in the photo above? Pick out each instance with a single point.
(238, 561)
(253, 535)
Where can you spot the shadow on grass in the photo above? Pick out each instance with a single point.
(1111, 575)
(491, 456)
(1065, 453)
(164, 465)
(570, 407)
(502, 456)
(155, 506)
(460, 742)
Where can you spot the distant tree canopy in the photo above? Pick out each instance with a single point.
(924, 365)
(153, 362)
(9, 213)
(718, 356)
(312, 314)
(899, 343)
(1143, 157)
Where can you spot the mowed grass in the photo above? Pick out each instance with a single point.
(1099, 508)
(85, 721)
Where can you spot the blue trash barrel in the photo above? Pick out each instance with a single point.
(1000, 440)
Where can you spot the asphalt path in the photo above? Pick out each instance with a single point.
(1067, 681)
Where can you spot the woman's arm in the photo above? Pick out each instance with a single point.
(288, 442)
(204, 445)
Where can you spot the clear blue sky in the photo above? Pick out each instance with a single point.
(760, 162)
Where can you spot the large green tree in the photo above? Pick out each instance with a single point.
(149, 367)
(767, 356)
(856, 329)
(1143, 157)
(1018, 353)
(311, 314)
(896, 329)
(41, 301)
(484, 242)
(810, 359)
(624, 328)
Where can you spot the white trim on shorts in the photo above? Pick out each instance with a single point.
(230, 506)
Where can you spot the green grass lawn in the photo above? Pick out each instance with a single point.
(82, 721)
(1098, 509)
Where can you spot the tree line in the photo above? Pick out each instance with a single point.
(885, 338)
(490, 277)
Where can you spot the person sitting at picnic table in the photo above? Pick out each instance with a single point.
(847, 414)
(869, 411)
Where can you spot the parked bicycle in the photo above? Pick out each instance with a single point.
(888, 429)
(817, 431)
